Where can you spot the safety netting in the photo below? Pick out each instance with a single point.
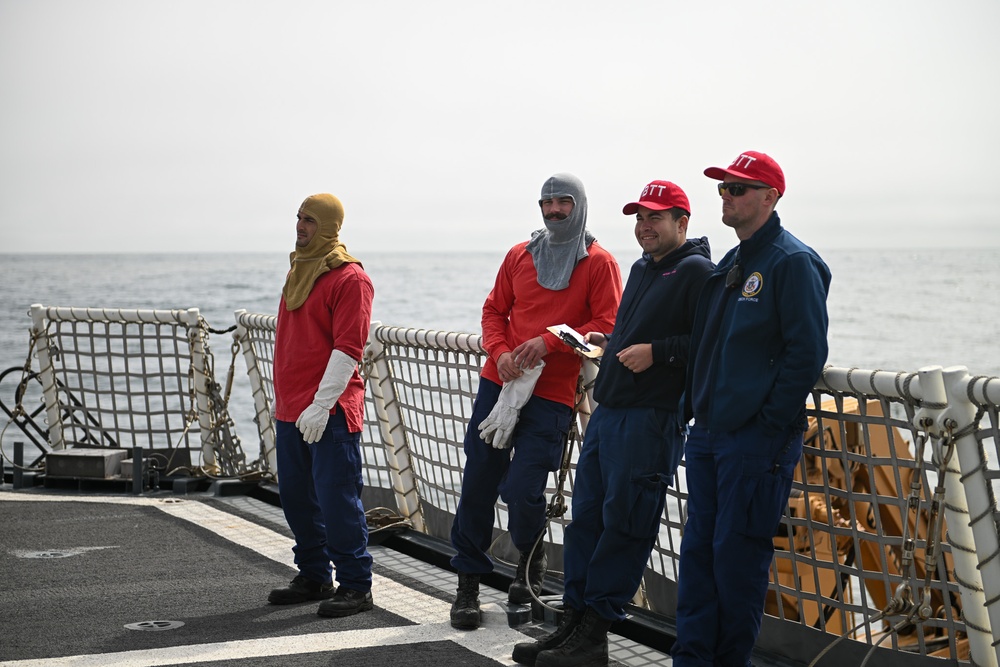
(889, 538)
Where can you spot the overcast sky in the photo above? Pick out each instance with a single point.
(139, 126)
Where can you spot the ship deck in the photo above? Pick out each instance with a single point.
(112, 580)
(851, 547)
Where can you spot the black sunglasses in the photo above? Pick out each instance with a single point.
(739, 189)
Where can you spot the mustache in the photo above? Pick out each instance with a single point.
(555, 216)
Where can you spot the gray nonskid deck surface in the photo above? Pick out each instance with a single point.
(623, 651)
(76, 570)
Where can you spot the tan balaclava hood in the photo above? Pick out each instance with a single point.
(323, 253)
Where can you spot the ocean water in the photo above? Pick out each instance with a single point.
(895, 310)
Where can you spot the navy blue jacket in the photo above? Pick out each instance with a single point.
(759, 347)
(657, 307)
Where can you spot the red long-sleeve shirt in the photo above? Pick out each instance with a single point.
(336, 315)
(519, 309)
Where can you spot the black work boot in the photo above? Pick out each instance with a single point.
(526, 653)
(465, 613)
(533, 572)
(346, 602)
(301, 590)
(587, 645)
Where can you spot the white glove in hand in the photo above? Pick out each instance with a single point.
(312, 422)
(339, 371)
(498, 426)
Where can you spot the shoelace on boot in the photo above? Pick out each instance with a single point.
(522, 568)
(467, 594)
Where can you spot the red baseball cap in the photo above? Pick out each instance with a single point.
(659, 196)
(753, 166)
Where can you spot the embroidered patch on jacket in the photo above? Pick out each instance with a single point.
(753, 284)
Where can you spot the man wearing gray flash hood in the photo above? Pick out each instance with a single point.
(523, 408)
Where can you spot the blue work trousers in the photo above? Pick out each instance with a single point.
(518, 475)
(738, 485)
(320, 489)
(627, 461)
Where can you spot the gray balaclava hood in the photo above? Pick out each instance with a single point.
(557, 248)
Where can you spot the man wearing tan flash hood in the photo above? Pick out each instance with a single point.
(323, 322)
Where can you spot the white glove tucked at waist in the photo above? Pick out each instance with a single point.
(498, 426)
(339, 371)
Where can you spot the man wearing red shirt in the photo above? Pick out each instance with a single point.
(561, 276)
(323, 322)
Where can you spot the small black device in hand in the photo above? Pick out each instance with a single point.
(573, 342)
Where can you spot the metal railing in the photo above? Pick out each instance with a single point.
(890, 539)
(861, 552)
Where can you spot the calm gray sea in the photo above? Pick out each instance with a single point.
(894, 310)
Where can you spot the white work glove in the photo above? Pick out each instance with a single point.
(498, 426)
(339, 371)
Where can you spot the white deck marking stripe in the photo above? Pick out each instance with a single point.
(272, 646)
(494, 641)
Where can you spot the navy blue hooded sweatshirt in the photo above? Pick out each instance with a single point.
(658, 307)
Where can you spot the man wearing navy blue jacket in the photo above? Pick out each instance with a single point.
(635, 437)
(758, 346)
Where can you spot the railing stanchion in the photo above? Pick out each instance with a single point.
(262, 408)
(18, 477)
(959, 418)
(391, 429)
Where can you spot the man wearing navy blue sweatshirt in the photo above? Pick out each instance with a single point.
(758, 346)
(635, 437)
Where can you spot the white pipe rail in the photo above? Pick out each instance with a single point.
(960, 415)
(927, 388)
(392, 430)
(262, 408)
(941, 401)
(47, 374)
(932, 419)
(199, 365)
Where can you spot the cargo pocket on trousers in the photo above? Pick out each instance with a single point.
(348, 473)
(766, 494)
(648, 495)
